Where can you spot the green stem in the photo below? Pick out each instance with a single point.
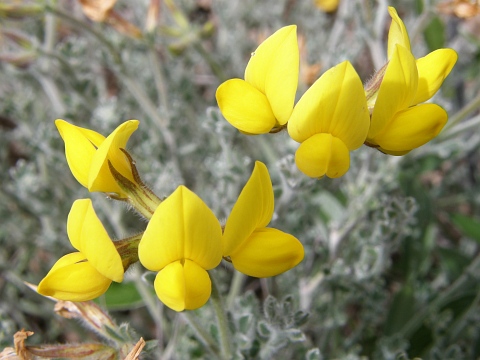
(463, 113)
(50, 32)
(159, 80)
(415, 322)
(161, 123)
(223, 330)
(154, 307)
(170, 349)
(216, 69)
(84, 26)
(151, 110)
(457, 328)
(150, 301)
(467, 125)
(52, 92)
(205, 338)
(235, 288)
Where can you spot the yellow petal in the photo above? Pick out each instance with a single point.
(267, 252)
(334, 104)
(80, 148)
(253, 209)
(412, 128)
(100, 178)
(245, 107)
(73, 278)
(87, 234)
(327, 5)
(397, 34)
(397, 90)
(182, 227)
(393, 153)
(183, 287)
(273, 70)
(96, 138)
(323, 154)
(432, 70)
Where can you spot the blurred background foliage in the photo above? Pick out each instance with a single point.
(392, 260)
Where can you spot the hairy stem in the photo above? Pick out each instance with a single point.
(222, 321)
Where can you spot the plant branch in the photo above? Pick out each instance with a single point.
(223, 330)
(415, 322)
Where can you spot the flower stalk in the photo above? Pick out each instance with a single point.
(138, 194)
(222, 320)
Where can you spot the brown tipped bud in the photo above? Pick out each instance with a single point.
(97, 10)
(134, 354)
(18, 38)
(177, 48)
(92, 315)
(180, 19)
(74, 351)
(139, 195)
(128, 250)
(20, 11)
(153, 15)
(19, 342)
(373, 85)
(123, 26)
(21, 60)
(69, 351)
(461, 9)
(9, 353)
(207, 29)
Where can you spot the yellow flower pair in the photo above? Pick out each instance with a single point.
(183, 238)
(336, 114)
(399, 124)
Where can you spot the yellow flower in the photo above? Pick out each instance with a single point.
(330, 120)
(182, 241)
(254, 249)
(327, 5)
(88, 153)
(86, 274)
(398, 123)
(264, 100)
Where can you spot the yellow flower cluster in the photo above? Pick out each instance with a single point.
(337, 114)
(183, 238)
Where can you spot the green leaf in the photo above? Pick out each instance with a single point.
(244, 323)
(461, 303)
(468, 226)
(300, 318)
(213, 329)
(270, 308)
(401, 310)
(287, 305)
(295, 335)
(122, 296)
(453, 261)
(418, 5)
(330, 206)
(314, 354)
(264, 329)
(435, 34)
(242, 341)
